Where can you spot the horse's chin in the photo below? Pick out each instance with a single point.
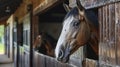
(64, 60)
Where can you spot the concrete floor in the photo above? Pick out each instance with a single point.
(5, 61)
(7, 65)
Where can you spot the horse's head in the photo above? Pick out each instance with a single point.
(75, 33)
(45, 44)
(37, 41)
(49, 44)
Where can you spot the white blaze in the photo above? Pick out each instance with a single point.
(62, 38)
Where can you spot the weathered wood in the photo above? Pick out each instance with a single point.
(35, 27)
(78, 57)
(88, 4)
(15, 55)
(3, 20)
(26, 59)
(91, 63)
(26, 40)
(21, 10)
(44, 6)
(96, 3)
(117, 31)
(21, 56)
(10, 36)
(41, 60)
(36, 3)
(109, 37)
(46, 61)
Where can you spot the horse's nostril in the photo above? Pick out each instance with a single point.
(61, 54)
(59, 59)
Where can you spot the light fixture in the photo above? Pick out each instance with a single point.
(7, 9)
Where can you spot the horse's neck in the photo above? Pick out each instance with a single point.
(50, 50)
(94, 40)
(94, 36)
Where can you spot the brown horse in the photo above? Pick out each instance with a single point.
(80, 28)
(45, 44)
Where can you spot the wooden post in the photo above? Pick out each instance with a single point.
(30, 10)
(17, 57)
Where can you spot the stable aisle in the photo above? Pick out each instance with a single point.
(5, 61)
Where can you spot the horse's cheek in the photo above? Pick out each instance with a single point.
(82, 39)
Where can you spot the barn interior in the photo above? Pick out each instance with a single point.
(51, 22)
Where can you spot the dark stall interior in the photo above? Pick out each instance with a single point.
(51, 20)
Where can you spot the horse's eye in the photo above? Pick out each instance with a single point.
(76, 24)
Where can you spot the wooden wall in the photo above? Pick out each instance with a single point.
(44, 5)
(10, 36)
(38, 6)
(109, 46)
(36, 3)
(22, 10)
(41, 60)
(35, 27)
(88, 4)
(3, 22)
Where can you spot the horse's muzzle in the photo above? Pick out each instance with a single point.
(64, 56)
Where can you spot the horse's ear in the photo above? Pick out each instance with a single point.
(66, 7)
(80, 9)
(79, 5)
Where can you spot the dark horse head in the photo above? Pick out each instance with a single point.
(45, 44)
(80, 27)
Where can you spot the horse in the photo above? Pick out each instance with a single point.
(80, 28)
(45, 44)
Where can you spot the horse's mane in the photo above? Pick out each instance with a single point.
(48, 37)
(92, 17)
(89, 14)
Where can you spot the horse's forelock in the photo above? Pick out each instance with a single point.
(73, 12)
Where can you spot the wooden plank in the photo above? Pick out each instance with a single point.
(36, 3)
(41, 60)
(22, 54)
(35, 27)
(45, 5)
(103, 40)
(35, 59)
(88, 4)
(91, 63)
(50, 61)
(3, 20)
(20, 57)
(101, 36)
(112, 35)
(117, 31)
(26, 58)
(109, 37)
(78, 56)
(15, 55)
(22, 10)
